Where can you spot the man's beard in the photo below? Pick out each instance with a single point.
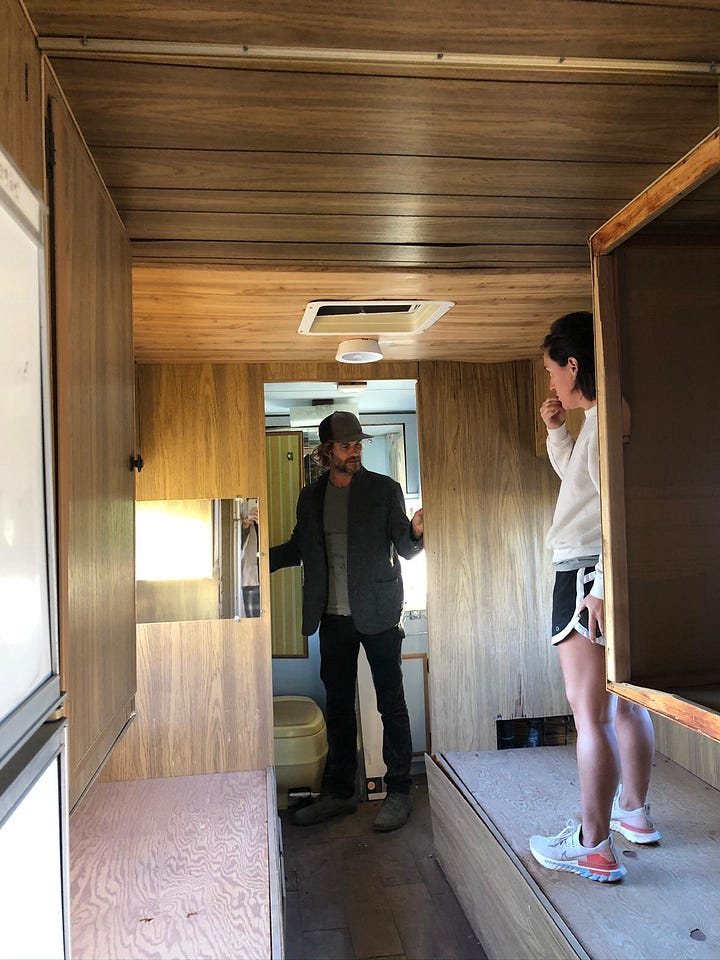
(348, 466)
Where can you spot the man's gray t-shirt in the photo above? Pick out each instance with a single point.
(335, 521)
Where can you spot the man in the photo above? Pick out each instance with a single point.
(351, 526)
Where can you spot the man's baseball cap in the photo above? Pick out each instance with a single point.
(341, 427)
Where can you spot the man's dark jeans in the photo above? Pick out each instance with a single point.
(339, 648)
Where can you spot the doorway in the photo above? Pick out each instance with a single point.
(387, 410)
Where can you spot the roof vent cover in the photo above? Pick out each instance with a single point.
(371, 318)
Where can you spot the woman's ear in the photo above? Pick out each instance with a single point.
(573, 366)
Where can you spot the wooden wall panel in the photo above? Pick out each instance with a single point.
(671, 465)
(203, 701)
(334, 372)
(691, 750)
(94, 425)
(200, 431)
(286, 477)
(488, 503)
(21, 116)
(506, 909)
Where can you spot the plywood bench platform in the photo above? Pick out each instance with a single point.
(177, 867)
(486, 805)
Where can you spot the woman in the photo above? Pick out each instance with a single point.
(614, 736)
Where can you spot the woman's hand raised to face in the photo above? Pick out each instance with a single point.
(553, 413)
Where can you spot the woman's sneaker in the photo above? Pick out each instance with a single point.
(565, 852)
(635, 825)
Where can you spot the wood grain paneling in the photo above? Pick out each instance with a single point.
(173, 868)
(682, 29)
(95, 415)
(488, 502)
(334, 204)
(253, 315)
(200, 430)
(693, 751)
(685, 176)
(344, 228)
(517, 793)
(360, 255)
(671, 468)
(323, 372)
(193, 172)
(21, 118)
(508, 913)
(204, 699)
(139, 105)
(285, 475)
(204, 702)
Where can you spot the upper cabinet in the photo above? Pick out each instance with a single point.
(656, 279)
(20, 97)
(94, 391)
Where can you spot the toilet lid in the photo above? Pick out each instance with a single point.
(296, 717)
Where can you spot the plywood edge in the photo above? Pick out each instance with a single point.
(694, 168)
(508, 911)
(695, 716)
(611, 437)
(275, 869)
(90, 767)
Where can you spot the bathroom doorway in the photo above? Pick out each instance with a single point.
(387, 410)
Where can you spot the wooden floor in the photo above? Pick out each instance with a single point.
(353, 893)
(171, 868)
(178, 868)
(668, 906)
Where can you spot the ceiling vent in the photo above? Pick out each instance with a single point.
(371, 318)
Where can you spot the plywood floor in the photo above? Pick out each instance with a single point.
(171, 868)
(668, 906)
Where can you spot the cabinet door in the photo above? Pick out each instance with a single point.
(95, 439)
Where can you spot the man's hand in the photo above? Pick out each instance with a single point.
(553, 413)
(596, 615)
(417, 524)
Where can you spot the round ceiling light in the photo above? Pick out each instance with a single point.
(359, 351)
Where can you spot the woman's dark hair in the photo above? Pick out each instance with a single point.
(572, 336)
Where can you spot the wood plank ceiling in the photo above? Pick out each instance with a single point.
(272, 152)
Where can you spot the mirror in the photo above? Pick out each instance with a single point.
(196, 560)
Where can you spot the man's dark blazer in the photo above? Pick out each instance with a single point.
(378, 530)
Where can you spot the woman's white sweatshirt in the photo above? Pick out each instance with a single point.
(575, 530)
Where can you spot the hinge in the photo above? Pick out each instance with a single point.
(49, 145)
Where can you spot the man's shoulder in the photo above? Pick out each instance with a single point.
(378, 481)
(311, 488)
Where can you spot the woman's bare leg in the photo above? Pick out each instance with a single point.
(636, 740)
(598, 756)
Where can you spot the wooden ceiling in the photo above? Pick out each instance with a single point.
(270, 152)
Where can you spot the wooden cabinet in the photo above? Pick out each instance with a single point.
(20, 97)
(656, 272)
(94, 388)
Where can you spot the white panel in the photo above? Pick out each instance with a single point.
(31, 906)
(25, 646)
(413, 669)
(370, 724)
